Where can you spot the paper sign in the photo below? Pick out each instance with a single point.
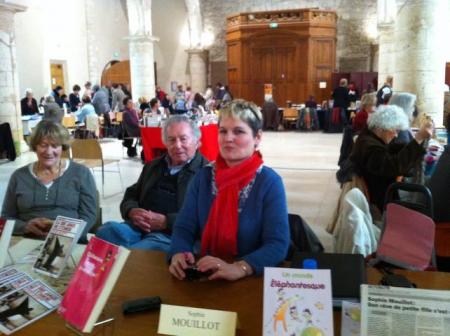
(188, 321)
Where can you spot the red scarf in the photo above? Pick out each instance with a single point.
(220, 234)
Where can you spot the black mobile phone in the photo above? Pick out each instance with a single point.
(141, 305)
(192, 273)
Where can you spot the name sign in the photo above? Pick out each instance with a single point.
(188, 321)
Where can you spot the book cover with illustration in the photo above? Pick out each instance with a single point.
(58, 246)
(92, 283)
(297, 302)
(8, 273)
(10, 286)
(26, 305)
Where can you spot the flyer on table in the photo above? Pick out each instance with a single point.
(297, 302)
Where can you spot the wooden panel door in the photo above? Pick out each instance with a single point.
(283, 77)
(261, 73)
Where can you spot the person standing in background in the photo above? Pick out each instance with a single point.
(118, 96)
(385, 92)
(74, 98)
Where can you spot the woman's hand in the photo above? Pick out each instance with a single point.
(220, 269)
(38, 227)
(179, 263)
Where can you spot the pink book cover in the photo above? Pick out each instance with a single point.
(88, 282)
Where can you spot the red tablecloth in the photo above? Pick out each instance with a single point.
(153, 145)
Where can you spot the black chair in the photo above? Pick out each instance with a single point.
(303, 238)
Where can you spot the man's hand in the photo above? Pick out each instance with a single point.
(158, 221)
(147, 220)
(38, 227)
(140, 218)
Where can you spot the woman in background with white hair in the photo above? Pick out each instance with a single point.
(376, 160)
(29, 104)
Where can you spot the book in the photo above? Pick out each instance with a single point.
(92, 283)
(58, 246)
(351, 318)
(7, 274)
(26, 305)
(6, 230)
(297, 302)
(11, 285)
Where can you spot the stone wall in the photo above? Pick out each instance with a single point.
(356, 26)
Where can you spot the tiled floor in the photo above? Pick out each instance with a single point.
(306, 162)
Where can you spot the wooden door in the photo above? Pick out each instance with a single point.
(57, 75)
(261, 72)
(283, 75)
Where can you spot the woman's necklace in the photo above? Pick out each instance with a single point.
(47, 178)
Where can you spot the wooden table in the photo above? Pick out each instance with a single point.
(146, 274)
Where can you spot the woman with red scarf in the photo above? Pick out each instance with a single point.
(235, 207)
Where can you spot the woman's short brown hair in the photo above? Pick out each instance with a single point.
(246, 111)
(50, 130)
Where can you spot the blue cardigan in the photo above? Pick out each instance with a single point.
(263, 232)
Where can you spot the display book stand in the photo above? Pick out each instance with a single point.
(104, 327)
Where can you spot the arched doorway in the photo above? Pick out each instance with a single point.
(117, 72)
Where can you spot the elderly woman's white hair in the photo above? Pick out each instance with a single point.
(406, 101)
(28, 91)
(388, 117)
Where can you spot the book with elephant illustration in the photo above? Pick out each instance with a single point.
(297, 302)
(58, 246)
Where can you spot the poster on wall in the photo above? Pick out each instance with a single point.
(268, 91)
(173, 86)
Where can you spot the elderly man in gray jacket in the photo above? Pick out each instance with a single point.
(150, 206)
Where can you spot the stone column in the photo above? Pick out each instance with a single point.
(198, 67)
(141, 48)
(386, 51)
(420, 35)
(92, 45)
(9, 81)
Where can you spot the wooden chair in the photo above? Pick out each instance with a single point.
(290, 116)
(69, 122)
(88, 152)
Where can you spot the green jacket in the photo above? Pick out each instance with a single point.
(151, 173)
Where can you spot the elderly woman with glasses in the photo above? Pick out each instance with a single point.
(379, 161)
(235, 208)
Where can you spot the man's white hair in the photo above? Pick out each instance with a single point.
(388, 117)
